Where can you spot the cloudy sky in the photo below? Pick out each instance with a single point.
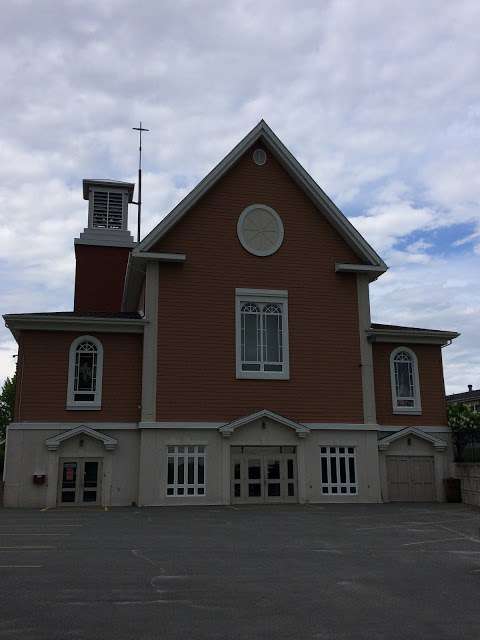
(378, 99)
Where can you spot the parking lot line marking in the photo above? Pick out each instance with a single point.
(21, 566)
(413, 522)
(463, 535)
(411, 544)
(25, 533)
(35, 527)
(26, 548)
(138, 554)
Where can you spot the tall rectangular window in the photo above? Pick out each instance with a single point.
(262, 334)
(186, 470)
(338, 470)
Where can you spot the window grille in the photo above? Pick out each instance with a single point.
(85, 382)
(405, 381)
(85, 373)
(261, 337)
(338, 470)
(107, 210)
(186, 470)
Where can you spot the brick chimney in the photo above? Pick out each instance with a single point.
(470, 387)
(103, 248)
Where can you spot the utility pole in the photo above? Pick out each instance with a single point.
(139, 203)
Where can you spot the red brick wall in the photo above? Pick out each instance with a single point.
(99, 277)
(43, 378)
(432, 391)
(196, 338)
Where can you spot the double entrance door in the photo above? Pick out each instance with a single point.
(80, 481)
(263, 474)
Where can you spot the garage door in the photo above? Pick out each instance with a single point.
(410, 478)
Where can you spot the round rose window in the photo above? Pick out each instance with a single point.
(260, 230)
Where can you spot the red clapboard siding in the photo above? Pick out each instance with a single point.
(43, 393)
(430, 370)
(196, 338)
(99, 277)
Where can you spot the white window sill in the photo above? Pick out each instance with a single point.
(83, 407)
(409, 412)
(260, 375)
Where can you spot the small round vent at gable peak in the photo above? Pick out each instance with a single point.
(260, 230)
(259, 156)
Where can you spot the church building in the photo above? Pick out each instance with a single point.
(227, 358)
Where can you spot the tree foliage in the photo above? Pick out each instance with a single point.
(7, 404)
(465, 426)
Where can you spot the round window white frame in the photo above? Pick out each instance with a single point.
(244, 242)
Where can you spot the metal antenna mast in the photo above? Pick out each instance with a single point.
(139, 203)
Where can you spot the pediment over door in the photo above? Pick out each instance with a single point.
(54, 442)
(227, 429)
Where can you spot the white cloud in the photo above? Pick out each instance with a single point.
(378, 100)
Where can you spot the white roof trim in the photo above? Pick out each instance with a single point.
(230, 427)
(55, 441)
(16, 322)
(160, 257)
(438, 444)
(411, 336)
(298, 173)
(372, 271)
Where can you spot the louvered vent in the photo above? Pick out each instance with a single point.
(107, 210)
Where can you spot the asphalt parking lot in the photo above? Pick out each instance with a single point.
(331, 572)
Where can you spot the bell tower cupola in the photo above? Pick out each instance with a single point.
(104, 246)
(107, 213)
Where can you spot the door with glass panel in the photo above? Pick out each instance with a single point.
(80, 481)
(263, 474)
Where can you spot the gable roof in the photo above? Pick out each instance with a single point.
(437, 443)
(227, 429)
(263, 132)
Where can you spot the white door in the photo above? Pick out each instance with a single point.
(263, 474)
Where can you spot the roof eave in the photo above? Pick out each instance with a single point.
(412, 336)
(32, 322)
(372, 271)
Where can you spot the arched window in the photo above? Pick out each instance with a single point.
(85, 373)
(405, 381)
(262, 336)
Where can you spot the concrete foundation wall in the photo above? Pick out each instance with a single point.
(135, 471)
(259, 433)
(27, 455)
(469, 474)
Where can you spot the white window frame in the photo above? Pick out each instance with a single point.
(243, 240)
(82, 405)
(185, 486)
(416, 409)
(326, 487)
(262, 296)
